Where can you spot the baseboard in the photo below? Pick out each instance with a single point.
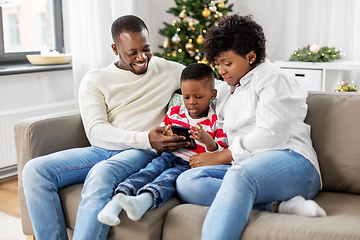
(8, 171)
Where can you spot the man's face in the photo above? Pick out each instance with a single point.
(134, 51)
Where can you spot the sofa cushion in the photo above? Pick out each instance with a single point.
(334, 119)
(149, 227)
(184, 222)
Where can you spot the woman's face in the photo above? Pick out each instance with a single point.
(233, 67)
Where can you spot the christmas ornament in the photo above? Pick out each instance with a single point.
(221, 5)
(174, 54)
(182, 14)
(200, 39)
(166, 43)
(206, 12)
(191, 23)
(189, 44)
(176, 39)
(212, 6)
(205, 61)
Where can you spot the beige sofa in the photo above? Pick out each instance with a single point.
(335, 122)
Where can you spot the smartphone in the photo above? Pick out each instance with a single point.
(184, 131)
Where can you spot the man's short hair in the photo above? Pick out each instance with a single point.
(127, 23)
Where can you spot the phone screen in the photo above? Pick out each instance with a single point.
(184, 131)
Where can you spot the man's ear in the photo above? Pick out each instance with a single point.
(213, 94)
(251, 57)
(115, 49)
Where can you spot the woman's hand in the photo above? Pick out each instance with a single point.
(161, 142)
(208, 159)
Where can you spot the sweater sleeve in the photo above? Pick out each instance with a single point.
(99, 131)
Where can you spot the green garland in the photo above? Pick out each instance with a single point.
(324, 54)
(346, 87)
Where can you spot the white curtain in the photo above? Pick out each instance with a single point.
(87, 25)
(288, 25)
(292, 24)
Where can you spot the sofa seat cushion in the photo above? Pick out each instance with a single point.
(184, 222)
(149, 227)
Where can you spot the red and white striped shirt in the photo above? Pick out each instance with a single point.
(179, 116)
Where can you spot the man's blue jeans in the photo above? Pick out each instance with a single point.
(266, 178)
(99, 169)
(158, 177)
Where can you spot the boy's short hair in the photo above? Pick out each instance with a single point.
(197, 71)
(240, 34)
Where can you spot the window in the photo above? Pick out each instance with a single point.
(13, 28)
(27, 25)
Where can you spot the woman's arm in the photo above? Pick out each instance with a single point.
(281, 103)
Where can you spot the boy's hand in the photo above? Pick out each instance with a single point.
(168, 131)
(198, 133)
(161, 142)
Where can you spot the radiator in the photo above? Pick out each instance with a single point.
(8, 119)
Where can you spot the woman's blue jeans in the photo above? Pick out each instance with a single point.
(258, 182)
(99, 169)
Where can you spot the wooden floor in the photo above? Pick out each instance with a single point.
(8, 196)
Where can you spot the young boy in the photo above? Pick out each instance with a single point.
(153, 185)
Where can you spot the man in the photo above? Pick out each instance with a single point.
(121, 107)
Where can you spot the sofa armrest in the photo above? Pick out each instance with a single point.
(42, 135)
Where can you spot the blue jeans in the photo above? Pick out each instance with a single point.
(99, 169)
(266, 178)
(158, 177)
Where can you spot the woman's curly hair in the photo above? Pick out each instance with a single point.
(241, 34)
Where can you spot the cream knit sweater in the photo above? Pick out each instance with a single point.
(118, 108)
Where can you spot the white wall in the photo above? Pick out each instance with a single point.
(288, 25)
(34, 89)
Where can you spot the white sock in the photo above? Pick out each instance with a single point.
(299, 206)
(136, 206)
(109, 215)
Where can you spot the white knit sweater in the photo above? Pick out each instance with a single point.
(118, 108)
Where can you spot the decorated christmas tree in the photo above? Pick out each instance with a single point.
(184, 37)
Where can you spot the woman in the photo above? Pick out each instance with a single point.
(262, 111)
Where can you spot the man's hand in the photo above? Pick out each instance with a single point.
(161, 142)
(208, 159)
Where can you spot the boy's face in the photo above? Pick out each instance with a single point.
(197, 95)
